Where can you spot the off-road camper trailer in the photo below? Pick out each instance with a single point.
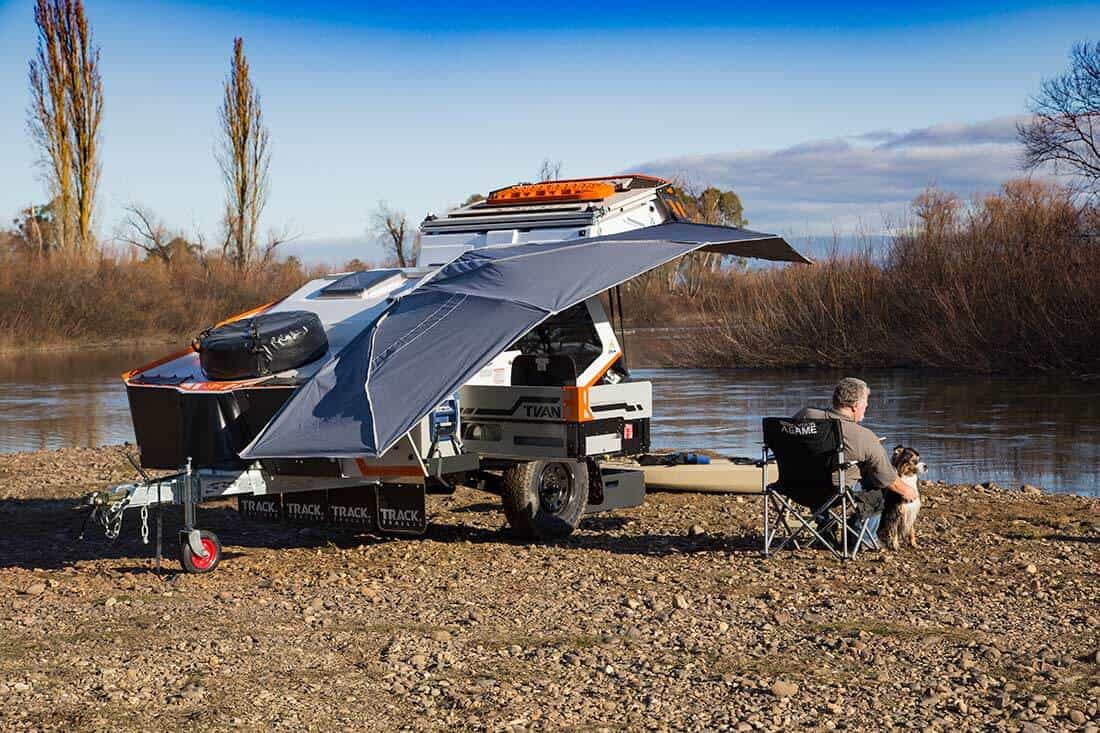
(492, 360)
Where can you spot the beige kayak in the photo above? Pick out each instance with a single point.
(720, 476)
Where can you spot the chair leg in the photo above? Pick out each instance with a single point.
(834, 515)
(867, 536)
(772, 526)
(862, 533)
(767, 525)
(844, 524)
(767, 512)
(804, 525)
(784, 517)
(767, 496)
(832, 510)
(828, 542)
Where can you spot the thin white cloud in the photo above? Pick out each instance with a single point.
(1001, 130)
(857, 183)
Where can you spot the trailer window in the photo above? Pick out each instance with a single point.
(569, 333)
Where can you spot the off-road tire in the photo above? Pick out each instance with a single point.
(529, 513)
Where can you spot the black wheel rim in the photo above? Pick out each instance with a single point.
(555, 487)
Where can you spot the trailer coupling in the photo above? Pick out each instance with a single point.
(200, 550)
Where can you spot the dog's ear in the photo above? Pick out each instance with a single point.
(898, 449)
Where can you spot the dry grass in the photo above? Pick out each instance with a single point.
(1009, 283)
(45, 301)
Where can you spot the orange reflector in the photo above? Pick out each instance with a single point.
(553, 191)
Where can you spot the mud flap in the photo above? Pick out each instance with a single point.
(401, 509)
(352, 507)
(268, 507)
(389, 508)
(346, 507)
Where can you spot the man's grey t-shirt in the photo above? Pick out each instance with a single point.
(861, 446)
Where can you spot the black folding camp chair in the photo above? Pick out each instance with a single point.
(810, 501)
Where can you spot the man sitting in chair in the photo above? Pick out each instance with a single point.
(874, 471)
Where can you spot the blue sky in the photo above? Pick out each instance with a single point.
(825, 119)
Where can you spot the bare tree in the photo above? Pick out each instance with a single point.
(142, 229)
(65, 112)
(1063, 131)
(938, 212)
(244, 158)
(392, 228)
(275, 237)
(550, 170)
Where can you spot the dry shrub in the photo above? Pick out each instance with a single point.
(648, 300)
(800, 316)
(58, 300)
(1011, 282)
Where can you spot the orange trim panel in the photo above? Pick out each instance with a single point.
(599, 376)
(574, 403)
(368, 470)
(163, 360)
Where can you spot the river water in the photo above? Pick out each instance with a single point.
(968, 428)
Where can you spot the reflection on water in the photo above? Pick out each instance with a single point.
(60, 399)
(1011, 430)
(968, 428)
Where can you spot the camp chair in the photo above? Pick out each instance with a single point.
(810, 458)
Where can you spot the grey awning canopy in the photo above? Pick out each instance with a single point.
(435, 337)
(724, 240)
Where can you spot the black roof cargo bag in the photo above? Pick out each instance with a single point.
(265, 344)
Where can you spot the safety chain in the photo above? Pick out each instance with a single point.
(145, 524)
(112, 519)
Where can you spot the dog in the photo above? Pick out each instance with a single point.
(899, 518)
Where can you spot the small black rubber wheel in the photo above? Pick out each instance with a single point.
(191, 562)
(545, 500)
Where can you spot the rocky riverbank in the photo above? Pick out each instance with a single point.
(663, 617)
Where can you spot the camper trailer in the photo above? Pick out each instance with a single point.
(492, 363)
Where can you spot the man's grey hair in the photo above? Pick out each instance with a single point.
(849, 391)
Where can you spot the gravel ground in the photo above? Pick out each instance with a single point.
(663, 617)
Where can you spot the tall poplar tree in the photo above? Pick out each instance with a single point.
(244, 157)
(65, 111)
